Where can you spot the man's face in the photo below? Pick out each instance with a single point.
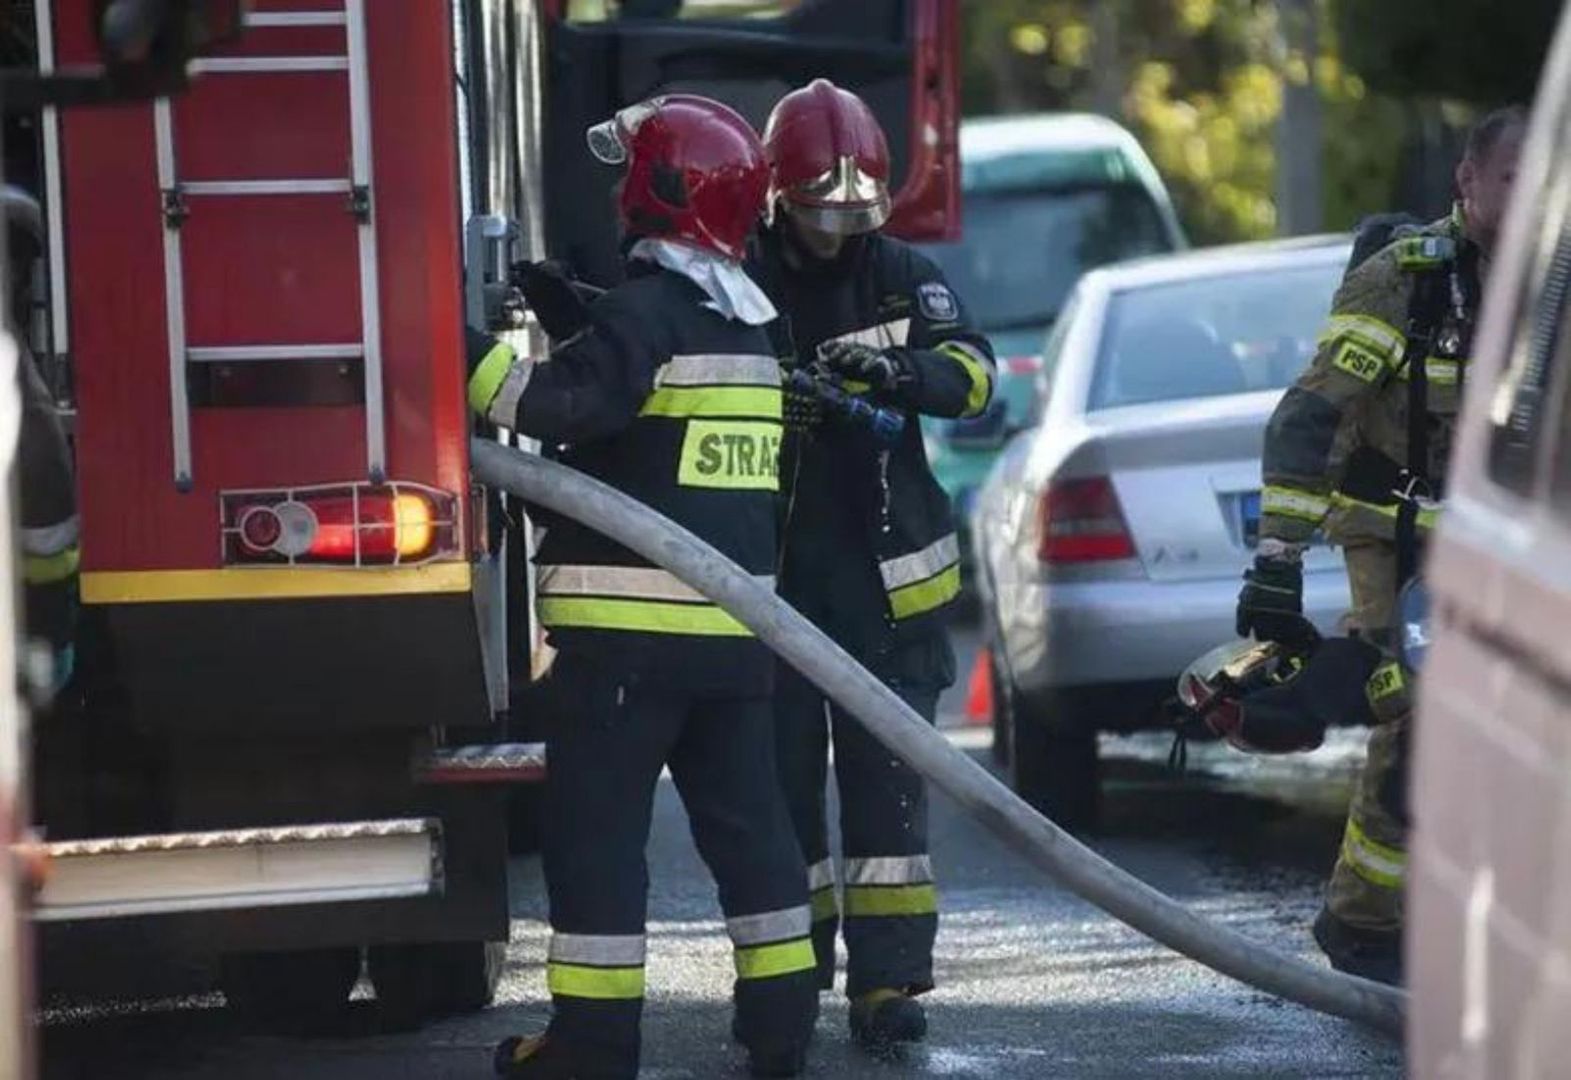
(815, 242)
(1486, 186)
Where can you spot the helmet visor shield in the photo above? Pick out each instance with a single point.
(606, 143)
(845, 200)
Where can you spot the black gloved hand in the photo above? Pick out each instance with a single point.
(879, 369)
(559, 301)
(1271, 603)
(803, 409)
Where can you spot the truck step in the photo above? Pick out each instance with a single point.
(227, 869)
(500, 763)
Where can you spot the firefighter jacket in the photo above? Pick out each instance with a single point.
(870, 550)
(47, 503)
(680, 408)
(1337, 446)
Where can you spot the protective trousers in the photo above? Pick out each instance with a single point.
(1366, 884)
(607, 743)
(891, 903)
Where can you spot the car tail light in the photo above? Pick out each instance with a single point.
(1080, 522)
(1023, 365)
(341, 524)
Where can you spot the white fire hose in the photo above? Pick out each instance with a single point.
(606, 510)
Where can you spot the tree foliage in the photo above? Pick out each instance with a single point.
(1468, 50)
(1202, 84)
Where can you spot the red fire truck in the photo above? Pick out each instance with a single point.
(305, 638)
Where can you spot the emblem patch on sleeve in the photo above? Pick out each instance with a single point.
(937, 302)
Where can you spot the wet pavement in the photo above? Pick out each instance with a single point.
(1033, 982)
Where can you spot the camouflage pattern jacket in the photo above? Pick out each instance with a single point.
(1354, 396)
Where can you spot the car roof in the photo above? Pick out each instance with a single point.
(987, 136)
(1332, 248)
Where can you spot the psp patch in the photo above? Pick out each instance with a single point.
(937, 302)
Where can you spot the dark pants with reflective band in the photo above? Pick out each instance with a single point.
(607, 744)
(1366, 884)
(891, 903)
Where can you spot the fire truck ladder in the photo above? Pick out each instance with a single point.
(356, 189)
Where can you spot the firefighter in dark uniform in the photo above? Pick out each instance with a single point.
(672, 394)
(1358, 448)
(46, 480)
(869, 548)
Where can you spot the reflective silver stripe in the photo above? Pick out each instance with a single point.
(503, 410)
(786, 924)
(883, 336)
(51, 539)
(719, 370)
(921, 565)
(890, 870)
(1380, 336)
(598, 950)
(634, 582)
(821, 875)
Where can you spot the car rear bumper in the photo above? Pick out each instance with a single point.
(1064, 635)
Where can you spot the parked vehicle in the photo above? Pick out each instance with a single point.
(1045, 198)
(1489, 902)
(1110, 538)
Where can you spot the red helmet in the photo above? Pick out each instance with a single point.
(695, 171)
(828, 160)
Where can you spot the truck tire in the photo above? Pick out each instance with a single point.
(426, 980)
(304, 991)
(1053, 760)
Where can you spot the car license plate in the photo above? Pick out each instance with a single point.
(1249, 514)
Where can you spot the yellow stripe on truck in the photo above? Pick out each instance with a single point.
(271, 583)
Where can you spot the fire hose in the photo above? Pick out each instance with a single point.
(572, 494)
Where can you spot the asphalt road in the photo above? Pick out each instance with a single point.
(1033, 982)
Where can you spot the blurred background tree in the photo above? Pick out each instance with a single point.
(1268, 116)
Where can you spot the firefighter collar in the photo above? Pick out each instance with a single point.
(731, 292)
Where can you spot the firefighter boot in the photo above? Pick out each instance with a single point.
(541, 1057)
(1371, 954)
(883, 1019)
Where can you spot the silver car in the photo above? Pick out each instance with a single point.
(1112, 536)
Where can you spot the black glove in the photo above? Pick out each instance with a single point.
(1271, 603)
(803, 409)
(559, 301)
(881, 370)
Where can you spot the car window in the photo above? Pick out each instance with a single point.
(1052, 350)
(1220, 334)
(1024, 250)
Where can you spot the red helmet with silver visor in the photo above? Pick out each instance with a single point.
(828, 160)
(695, 171)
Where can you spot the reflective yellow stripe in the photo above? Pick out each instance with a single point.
(920, 565)
(1373, 861)
(489, 375)
(926, 595)
(1381, 338)
(1293, 503)
(49, 569)
(862, 900)
(600, 984)
(644, 616)
(1428, 517)
(782, 958)
(981, 378)
(733, 455)
(824, 903)
(1387, 681)
(1441, 371)
(760, 402)
(271, 583)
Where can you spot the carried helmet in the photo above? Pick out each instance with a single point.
(1264, 698)
(695, 171)
(828, 160)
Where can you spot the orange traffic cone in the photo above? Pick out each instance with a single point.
(979, 692)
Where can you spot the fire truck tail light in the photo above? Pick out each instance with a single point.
(352, 524)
